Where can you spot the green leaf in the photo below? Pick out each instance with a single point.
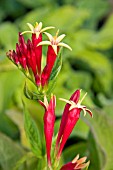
(33, 16)
(91, 6)
(8, 79)
(109, 109)
(104, 101)
(83, 80)
(75, 149)
(32, 134)
(35, 3)
(104, 36)
(9, 83)
(10, 153)
(13, 9)
(102, 40)
(7, 29)
(32, 95)
(42, 164)
(99, 65)
(17, 118)
(102, 127)
(94, 153)
(24, 159)
(65, 15)
(8, 127)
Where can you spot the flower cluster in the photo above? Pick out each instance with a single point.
(69, 119)
(28, 55)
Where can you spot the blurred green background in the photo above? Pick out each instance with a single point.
(89, 29)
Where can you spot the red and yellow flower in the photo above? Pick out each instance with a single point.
(49, 121)
(69, 119)
(76, 164)
(28, 55)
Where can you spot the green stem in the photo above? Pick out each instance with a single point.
(56, 164)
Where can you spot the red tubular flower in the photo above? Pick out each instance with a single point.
(31, 60)
(75, 97)
(70, 117)
(76, 164)
(37, 50)
(51, 57)
(49, 120)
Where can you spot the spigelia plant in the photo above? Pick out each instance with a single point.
(28, 58)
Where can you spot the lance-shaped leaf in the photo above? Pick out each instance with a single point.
(96, 154)
(31, 95)
(32, 134)
(23, 161)
(10, 153)
(101, 128)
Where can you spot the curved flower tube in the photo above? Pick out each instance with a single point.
(75, 97)
(49, 120)
(70, 117)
